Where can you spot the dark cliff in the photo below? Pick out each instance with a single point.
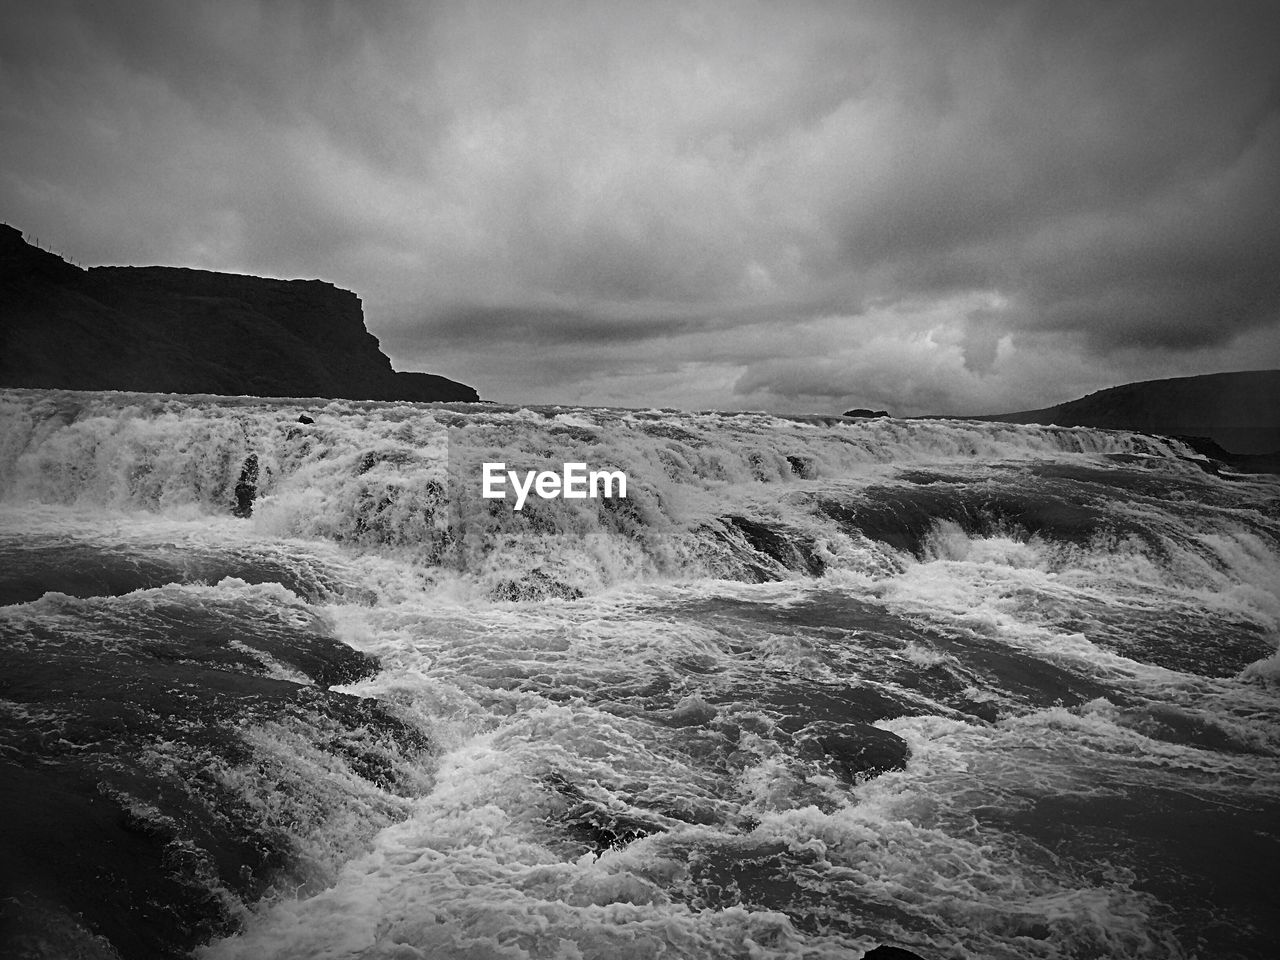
(173, 330)
(1238, 411)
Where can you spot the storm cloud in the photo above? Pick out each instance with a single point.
(961, 207)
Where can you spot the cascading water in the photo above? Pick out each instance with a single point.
(981, 690)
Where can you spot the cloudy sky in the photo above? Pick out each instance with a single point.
(932, 207)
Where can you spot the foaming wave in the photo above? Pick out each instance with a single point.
(737, 496)
(816, 684)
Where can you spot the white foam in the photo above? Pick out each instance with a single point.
(630, 688)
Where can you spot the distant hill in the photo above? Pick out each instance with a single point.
(1238, 411)
(173, 330)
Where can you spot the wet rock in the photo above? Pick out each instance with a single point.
(596, 823)
(303, 418)
(742, 872)
(886, 952)
(801, 467)
(371, 458)
(864, 412)
(132, 795)
(777, 545)
(855, 751)
(247, 486)
(535, 585)
(905, 518)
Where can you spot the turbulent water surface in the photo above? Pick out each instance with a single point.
(979, 690)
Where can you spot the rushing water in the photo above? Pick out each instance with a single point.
(979, 690)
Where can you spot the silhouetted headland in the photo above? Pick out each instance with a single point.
(1232, 417)
(175, 330)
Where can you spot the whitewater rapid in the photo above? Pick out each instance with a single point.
(816, 684)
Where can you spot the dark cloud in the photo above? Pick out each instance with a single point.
(931, 207)
(543, 326)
